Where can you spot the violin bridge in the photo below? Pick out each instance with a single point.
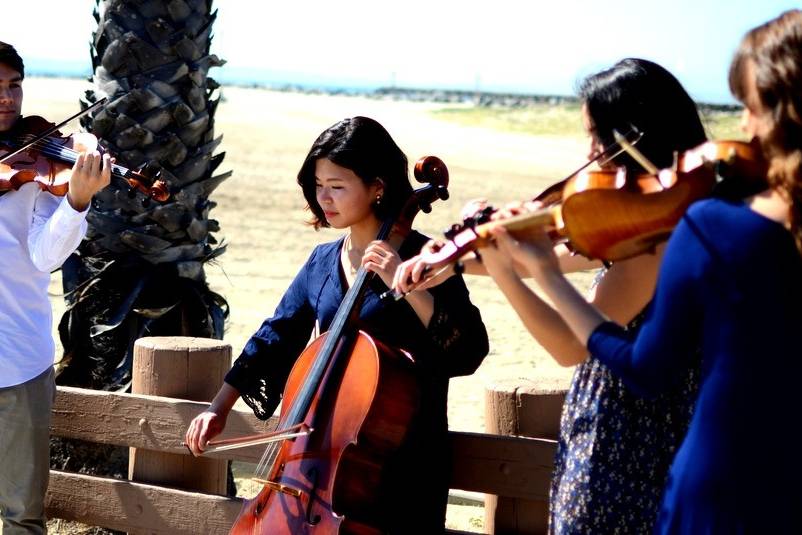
(279, 487)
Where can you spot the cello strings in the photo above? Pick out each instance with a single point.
(268, 457)
(267, 460)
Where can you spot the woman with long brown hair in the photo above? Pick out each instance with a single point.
(730, 283)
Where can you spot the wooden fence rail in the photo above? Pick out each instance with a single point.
(163, 495)
(515, 467)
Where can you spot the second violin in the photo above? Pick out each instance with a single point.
(613, 215)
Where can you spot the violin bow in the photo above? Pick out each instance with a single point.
(635, 153)
(602, 157)
(620, 146)
(52, 129)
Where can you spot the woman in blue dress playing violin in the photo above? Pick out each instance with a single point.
(729, 284)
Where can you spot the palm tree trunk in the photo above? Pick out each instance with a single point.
(140, 271)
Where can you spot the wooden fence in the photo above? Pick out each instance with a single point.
(517, 469)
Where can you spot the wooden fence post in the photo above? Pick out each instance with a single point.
(519, 407)
(186, 368)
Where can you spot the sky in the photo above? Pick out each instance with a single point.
(519, 46)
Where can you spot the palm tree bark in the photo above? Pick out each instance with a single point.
(140, 272)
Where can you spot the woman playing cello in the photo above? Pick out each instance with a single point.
(353, 178)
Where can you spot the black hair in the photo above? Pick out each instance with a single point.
(641, 94)
(363, 146)
(9, 57)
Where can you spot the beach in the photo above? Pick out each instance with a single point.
(266, 135)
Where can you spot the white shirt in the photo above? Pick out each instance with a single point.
(38, 231)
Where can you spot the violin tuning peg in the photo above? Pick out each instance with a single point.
(131, 192)
(146, 202)
(453, 231)
(426, 208)
(459, 268)
(442, 193)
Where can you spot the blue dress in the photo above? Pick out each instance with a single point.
(614, 451)
(731, 284)
(454, 343)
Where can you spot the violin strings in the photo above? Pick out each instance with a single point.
(66, 154)
(46, 145)
(48, 148)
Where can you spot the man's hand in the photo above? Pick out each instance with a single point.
(90, 174)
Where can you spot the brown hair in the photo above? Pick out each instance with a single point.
(774, 51)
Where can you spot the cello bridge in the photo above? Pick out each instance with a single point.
(279, 487)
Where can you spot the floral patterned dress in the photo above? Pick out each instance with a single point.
(614, 452)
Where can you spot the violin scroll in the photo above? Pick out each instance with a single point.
(431, 170)
(137, 181)
(739, 168)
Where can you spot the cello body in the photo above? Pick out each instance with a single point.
(330, 481)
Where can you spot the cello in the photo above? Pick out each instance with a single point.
(347, 405)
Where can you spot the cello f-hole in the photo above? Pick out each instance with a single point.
(313, 477)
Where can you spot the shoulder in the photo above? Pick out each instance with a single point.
(711, 218)
(728, 222)
(412, 244)
(706, 209)
(328, 249)
(323, 255)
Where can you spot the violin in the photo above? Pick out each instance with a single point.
(346, 408)
(35, 151)
(613, 215)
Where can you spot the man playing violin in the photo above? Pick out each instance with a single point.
(37, 232)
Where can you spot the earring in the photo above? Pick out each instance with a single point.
(378, 200)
